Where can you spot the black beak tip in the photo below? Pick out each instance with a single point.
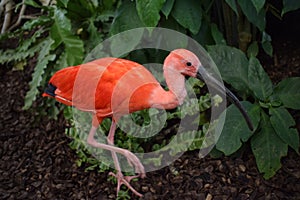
(202, 74)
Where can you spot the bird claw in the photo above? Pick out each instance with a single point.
(126, 181)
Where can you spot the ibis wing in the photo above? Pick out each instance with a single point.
(101, 85)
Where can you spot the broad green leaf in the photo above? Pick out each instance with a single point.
(62, 3)
(166, 9)
(172, 24)
(266, 43)
(43, 58)
(95, 3)
(121, 44)
(232, 64)
(32, 3)
(171, 41)
(61, 34)
(217, 35)
(235, 128)
(108, 4)
(282, 122)
(126, 18)
(148, 11)
(258, 19)
(258, 4)
(204, 36)
(268, 48)
(252, 49)
(290, 5)
(188, 13)
(74, 50)
(288, 92)
(60, 28)
(259, 81)
(268, 148)
(233, 6)
(80, 10)
(95, 37)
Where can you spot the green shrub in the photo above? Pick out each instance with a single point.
(267, 106)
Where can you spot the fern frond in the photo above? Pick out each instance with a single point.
(24, 51)
(61, 62)
(43, 58)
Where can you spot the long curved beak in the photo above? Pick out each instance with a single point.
(203, 75)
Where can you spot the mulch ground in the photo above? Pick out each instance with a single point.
(37, 163)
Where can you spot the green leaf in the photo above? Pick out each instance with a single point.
(233, 6)
(282, 121)
(268, 148)
(217, 35)
(252, 49)
(61, 34)
(126, 18)
(166, 9)
(235, 128)
(63, 3)
(61, 62)
(40, 21)
(32, 3)
(148, 11)
(258, 19)
(95, 37)
(258, 4)
(266, 43)
(232, 64)
(204, 36)
(121, 44)
(74, 50)
(43, 58)
(288, 92)
(259, 81)
(188, 13)
(171, 23)
(290, 5)
(60, 28)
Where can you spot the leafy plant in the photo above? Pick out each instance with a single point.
(268, 109)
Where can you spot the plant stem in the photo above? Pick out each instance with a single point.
(7, 17)
(21, 14)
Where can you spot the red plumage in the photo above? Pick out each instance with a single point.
(107, 87)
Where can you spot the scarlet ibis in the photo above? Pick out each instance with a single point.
(99, 87)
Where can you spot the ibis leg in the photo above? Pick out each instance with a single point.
(119, 175)
(131, 158)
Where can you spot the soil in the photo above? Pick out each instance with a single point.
(37, 163)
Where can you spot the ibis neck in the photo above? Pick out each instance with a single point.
(176, 84)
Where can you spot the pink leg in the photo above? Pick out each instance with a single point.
(131, 158)
(119, 175)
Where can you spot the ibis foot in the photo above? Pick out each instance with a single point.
(126, 181)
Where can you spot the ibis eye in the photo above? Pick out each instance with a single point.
(188, 64)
